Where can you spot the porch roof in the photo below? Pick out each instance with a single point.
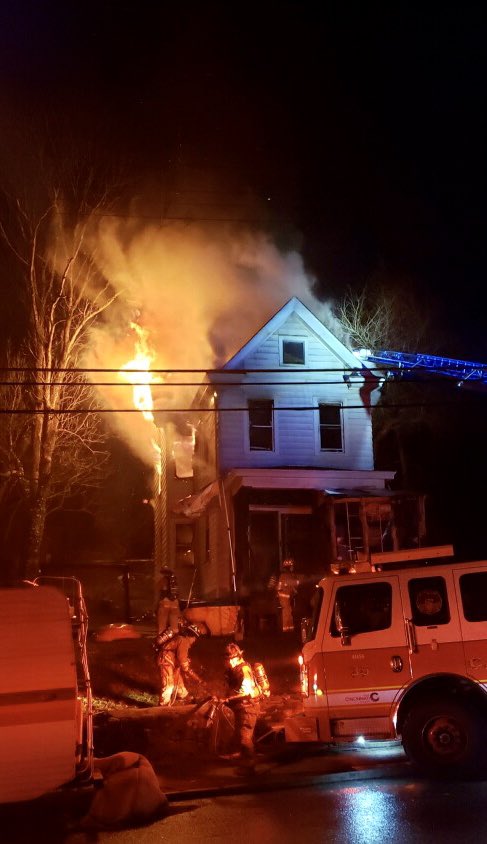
(193, 506)
(361, 492)
(299, 478)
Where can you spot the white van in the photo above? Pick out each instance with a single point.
(45, 701)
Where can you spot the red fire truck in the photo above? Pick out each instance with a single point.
(397, 650)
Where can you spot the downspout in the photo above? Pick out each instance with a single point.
(224, 504)
(223, 499)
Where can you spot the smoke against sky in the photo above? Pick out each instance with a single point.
(201, 295)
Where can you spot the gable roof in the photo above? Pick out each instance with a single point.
(295, 306)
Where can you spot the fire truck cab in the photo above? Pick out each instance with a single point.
(397, 650)
(46, 735)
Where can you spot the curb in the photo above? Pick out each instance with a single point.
(252, 786)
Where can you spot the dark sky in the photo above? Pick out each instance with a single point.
(364, 123)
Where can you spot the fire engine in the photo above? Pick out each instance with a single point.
(46, 730)
(396, 649)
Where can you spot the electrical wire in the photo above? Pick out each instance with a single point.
(199, 410)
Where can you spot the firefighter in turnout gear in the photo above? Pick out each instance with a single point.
(245, 690)
(287, 588)
(167, 610)
(173, 647)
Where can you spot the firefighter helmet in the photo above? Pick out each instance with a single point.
(190, 629)
(232, 650)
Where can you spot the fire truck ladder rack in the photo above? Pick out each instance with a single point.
(404, 362)
(71, 588)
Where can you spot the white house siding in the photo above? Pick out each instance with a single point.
(295, 433)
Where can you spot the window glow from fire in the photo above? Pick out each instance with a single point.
(183, 452)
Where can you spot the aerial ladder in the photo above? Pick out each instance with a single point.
(401, 364)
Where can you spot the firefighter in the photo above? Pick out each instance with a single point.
(167, 610)
(173, 647)
(287, 588)
(243, 699)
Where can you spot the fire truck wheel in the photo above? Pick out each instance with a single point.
(444, 737)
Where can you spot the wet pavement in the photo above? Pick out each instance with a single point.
(292, 767)
(185, 765)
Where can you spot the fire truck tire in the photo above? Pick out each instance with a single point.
(444, 737)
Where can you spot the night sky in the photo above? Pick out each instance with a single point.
(360, 127)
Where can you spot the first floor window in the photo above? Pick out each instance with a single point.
(261, 432)
(331, 438)
(184, 543)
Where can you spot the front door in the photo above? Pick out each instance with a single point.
(263, 548)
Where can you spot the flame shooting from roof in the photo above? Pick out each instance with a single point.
(138, 373)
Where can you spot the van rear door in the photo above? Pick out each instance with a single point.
(39, 713)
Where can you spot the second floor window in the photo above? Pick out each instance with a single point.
(331, 437)
(261, 433)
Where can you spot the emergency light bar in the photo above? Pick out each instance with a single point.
(381, 558)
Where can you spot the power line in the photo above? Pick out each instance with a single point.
(158, 385)
(357, 370)
(198, 410)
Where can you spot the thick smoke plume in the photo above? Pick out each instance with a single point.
(200, 295)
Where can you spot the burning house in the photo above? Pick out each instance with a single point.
(283, 465)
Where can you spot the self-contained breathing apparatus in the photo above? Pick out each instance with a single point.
(165, 636)
(254, 675)
(261, 679)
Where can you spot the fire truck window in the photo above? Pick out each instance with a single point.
(429, 601)
(316, 602)
(473, 589)
(362, 608)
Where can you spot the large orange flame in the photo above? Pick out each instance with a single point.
(137, 372)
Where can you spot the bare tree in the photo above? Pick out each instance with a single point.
(52, 438)
(382, 316)
(390, 316)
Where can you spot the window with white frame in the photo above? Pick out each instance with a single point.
(330, 427)
(261, 424)
(293, 351)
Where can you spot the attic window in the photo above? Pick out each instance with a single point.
(293, 351)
